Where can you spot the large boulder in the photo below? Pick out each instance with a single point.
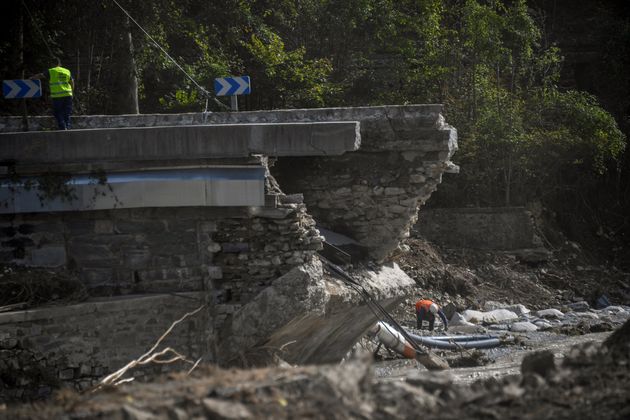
(307, 316)
(491, 317)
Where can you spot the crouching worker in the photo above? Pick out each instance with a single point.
(426, 311)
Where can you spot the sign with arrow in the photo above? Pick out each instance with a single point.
(19, 89)
(224, 86)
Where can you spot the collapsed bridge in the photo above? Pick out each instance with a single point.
(155, 214)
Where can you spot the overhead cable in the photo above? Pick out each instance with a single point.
(203, 91)
(39, 31)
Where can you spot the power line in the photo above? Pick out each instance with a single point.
(38, 29)
(162, 49)
(203, 91)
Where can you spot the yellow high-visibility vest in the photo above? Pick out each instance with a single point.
(59, 78)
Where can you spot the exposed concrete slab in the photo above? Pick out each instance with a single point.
(182, 142)
(211, 186)
(313, 317)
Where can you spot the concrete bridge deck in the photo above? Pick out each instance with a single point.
(180, 142)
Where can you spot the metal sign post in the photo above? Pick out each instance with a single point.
(232, 86)
(22, 89)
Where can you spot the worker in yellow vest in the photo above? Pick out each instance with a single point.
(61, 87)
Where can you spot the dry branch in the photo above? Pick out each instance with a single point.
(151, 357)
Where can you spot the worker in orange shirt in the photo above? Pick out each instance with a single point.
(426, 310)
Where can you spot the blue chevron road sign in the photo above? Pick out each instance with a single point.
(224, 86)
(18, 89)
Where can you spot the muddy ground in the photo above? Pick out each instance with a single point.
(572, 373)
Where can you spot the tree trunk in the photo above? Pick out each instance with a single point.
(126, 88)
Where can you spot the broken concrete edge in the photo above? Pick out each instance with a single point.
(308, 316)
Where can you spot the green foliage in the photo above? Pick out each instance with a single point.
(488, 61)
(287, 75)
(574, 124)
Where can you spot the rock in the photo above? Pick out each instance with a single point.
(550, 313)
(524, 326)
(221, 409)
(458, 319)
(491, 305)
(473, 316)
(449, 310)
(491, 317)
(602, 302)
(579, 306)
(614, 309)
(498, 327)
(586, 315)
(134, 413)
(518, 309)
(533, 256)
(541, 363)
(543, 325)
(498, 316)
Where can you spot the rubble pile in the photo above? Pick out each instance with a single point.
(571, 319)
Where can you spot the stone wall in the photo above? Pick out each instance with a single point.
(233, 252)
(503, 228)
(77, 345)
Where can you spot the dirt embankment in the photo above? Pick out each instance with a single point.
(468, 278)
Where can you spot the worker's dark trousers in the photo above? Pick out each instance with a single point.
(425, 316)
(62, 109)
